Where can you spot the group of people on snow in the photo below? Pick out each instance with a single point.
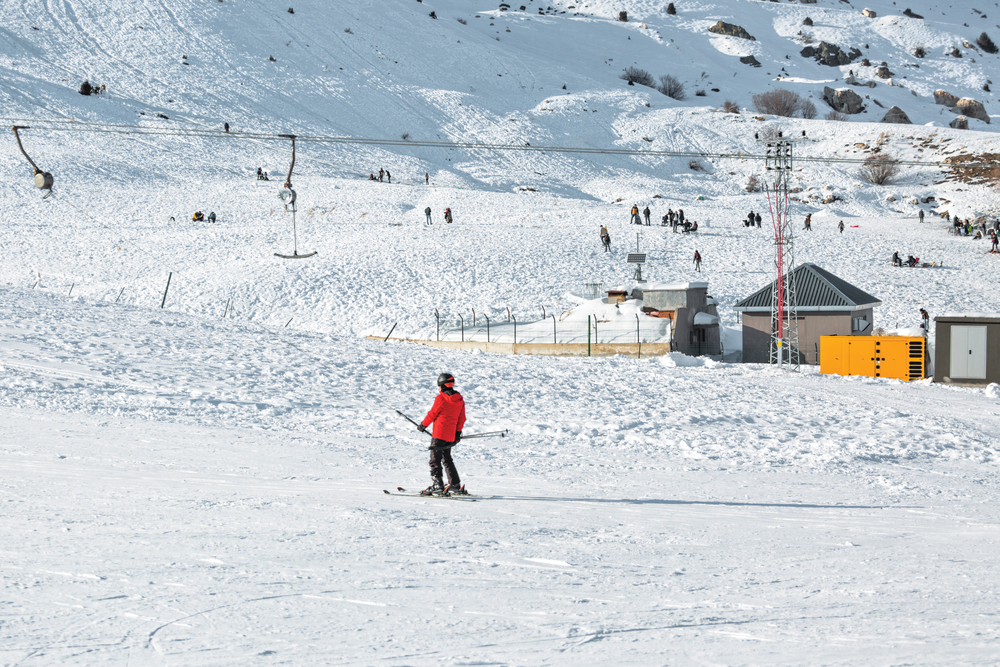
(262, 175)
(447, 216)
(383, 176)
(200, 217)
(753, 219)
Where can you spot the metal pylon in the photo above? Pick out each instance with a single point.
(784, 348)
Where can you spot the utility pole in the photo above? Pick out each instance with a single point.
(784, 315)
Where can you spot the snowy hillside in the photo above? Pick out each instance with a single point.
(201, 483)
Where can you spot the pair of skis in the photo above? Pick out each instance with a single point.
(400, 491)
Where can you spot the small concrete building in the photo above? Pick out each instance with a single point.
(693, 315)
(967, 350)
(826, 306)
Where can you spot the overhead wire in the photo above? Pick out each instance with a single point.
(109, 128)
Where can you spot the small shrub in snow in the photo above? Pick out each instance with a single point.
(986, 44)
(694, 165)
(730, 107)
(639, 76)
(808, 109)
(955, 52)
(700, 92)
(671, 87)
(433, 15)
(986, 87)
(920, 51)
(462, 21)
(807, 21)
(406, 136)
(778, 102)
(879, 169)
(671, 9)
(348, 31)
(623, 15)
(291, 11)
(86, 88)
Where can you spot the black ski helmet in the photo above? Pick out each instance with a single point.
(446, 380)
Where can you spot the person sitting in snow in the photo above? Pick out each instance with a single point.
(912, 261)
(896, 261)
(198, 216)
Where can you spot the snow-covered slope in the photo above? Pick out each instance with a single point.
(185, 488)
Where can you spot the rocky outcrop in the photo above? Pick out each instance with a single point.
(960, 123)
(869, 13)
(972, 109)
(843, 100)
(882, 72)
(897, 116)
(851, 81)
(830, 54)
(722, 28)
(750, 60)
(945, 98)
(912, 14)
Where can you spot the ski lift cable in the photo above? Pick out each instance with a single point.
(78, 126)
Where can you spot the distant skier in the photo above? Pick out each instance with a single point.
(448, 416)
(645, 212)
(697, 261)
(605, 239)
(841, 226)
(635, 216)
(427, 212)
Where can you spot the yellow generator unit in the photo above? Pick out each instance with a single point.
(898, 357)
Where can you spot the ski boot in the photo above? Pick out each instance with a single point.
(435, 489)
(456, 490)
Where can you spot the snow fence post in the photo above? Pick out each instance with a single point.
(554, 329)
(463, 327)
(164, 302)
(588, 335)
(71, 289)
(438, 317)
(120, 294)
(638, 341)
(390, 332)
(487, 328)
(515, 330)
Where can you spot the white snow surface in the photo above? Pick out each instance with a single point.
(180, 488)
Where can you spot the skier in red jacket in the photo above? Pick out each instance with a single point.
(448, 416)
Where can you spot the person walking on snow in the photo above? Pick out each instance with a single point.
(605, 239)
(757, 218)
(920, 216)
(448, 416)
(645, 213)
(841, 226)
(635, 216)
(427, 179)
(388, 176)
(808, 226)
(697, 261)
(427, 212)
(925, 320)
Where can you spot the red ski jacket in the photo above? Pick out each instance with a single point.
(448, 416)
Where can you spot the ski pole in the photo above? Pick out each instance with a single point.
(410, 420)
(491, 434)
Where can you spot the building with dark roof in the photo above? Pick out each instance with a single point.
(826, 306)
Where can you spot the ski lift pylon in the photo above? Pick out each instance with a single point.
(43, 179)
(288, 197)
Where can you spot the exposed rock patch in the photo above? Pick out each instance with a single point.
(960, 123)
(869, 13)
(945, 98)
(897, 116)
(843, 100)
(830, 54)
(972, 109)
(722, 28)
(750, 60)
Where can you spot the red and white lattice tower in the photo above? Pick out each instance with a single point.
(784, 316)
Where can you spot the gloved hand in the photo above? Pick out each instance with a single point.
(458, 436)
(422, 428)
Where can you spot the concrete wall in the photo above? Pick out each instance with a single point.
(942, 349)
(686, 304)
(547, 349)
(812, 326)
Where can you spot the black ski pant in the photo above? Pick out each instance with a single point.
(441, 456)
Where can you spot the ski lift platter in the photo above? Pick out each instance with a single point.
(288, 197)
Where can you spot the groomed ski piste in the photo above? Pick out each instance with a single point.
(183, 488)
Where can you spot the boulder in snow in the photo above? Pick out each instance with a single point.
(722, 28)
(945, 98)
(830, 54)
(896, 115)
(971, 108)
(882, 72)
(750, 60)
(869, 13)
(960, 123)
(843, 100)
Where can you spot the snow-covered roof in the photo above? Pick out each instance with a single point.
(816, 290)
(705, 320)
(672, 287)
(967, 316)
